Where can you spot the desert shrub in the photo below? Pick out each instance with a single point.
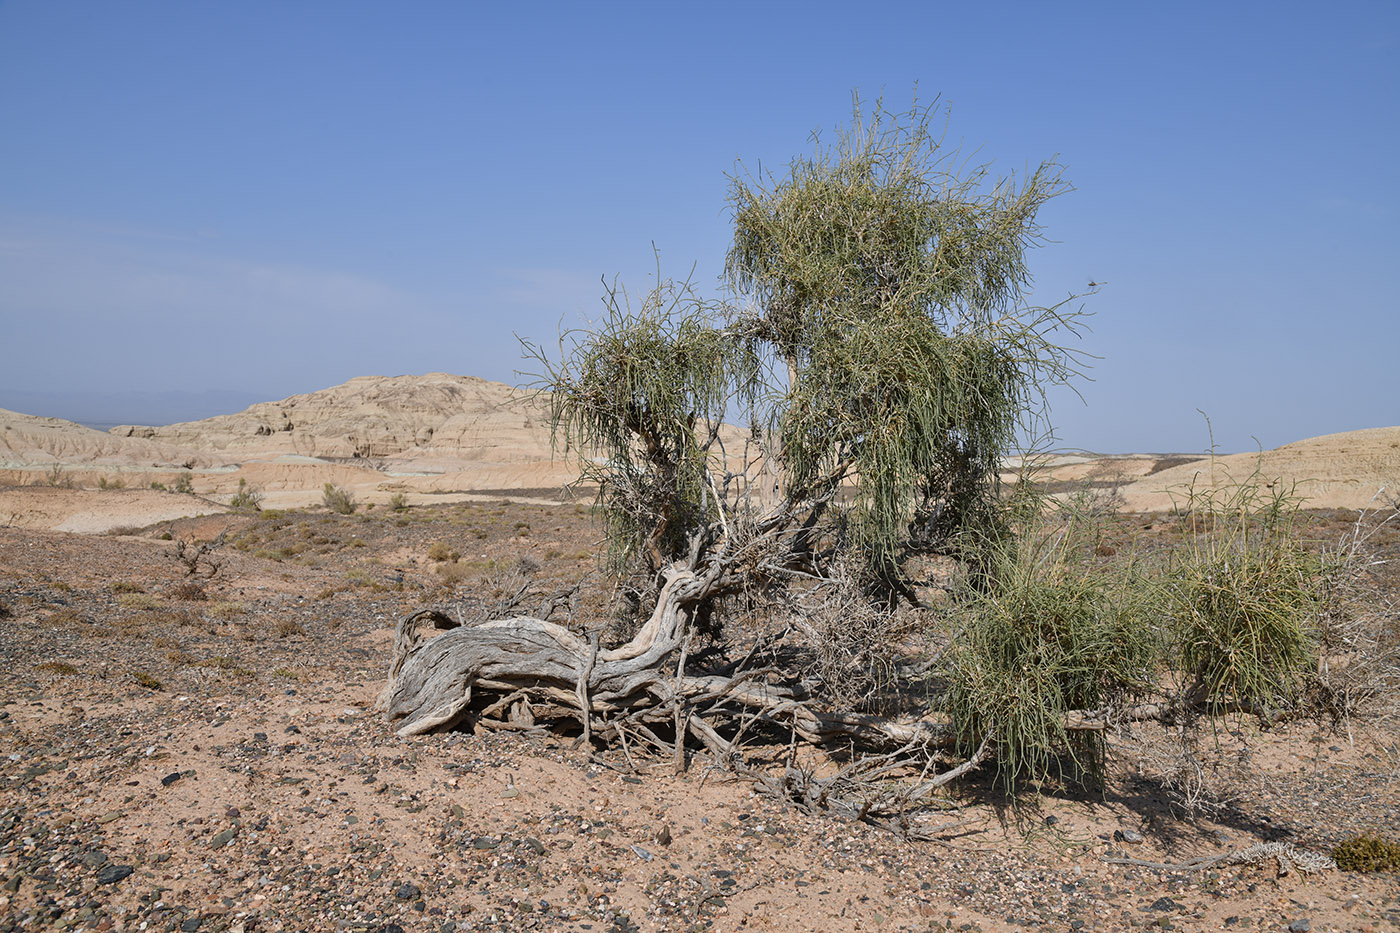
(453, 573)
(58, 478)
(184, 483)
(1367, 853)
(187, 591)
(143, 601)
(1043, 634)
(5, 611)
(123, 586)
(398, 502)
(285, 628)
(225, 609)
(1359, 650)
(440, 551)
(338, 500)
(1244, 595)
(57, 667)
(146, 680)
(124, 531)
(247, 497)
(104, 483)
(158, 486)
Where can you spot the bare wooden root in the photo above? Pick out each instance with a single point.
(509, 674)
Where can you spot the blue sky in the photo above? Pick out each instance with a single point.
(203, 202)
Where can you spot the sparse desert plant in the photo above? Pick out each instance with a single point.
(455, 572)
(139, 600)
(338, 500)
(1244, 596)
(124, 531)
(125, 586)
(200, 556)
(1367, 853)
(158, 486)
(398, 502)
(1359, 650)
(247, 497)
(227, 609)
(184, 483)
(1040, 636)
(187, 591)
(285, 628)
(440, 551)
(104, 483)
(58, 477)
(57, 667)
(146, 680)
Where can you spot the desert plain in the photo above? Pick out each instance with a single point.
(194, 746)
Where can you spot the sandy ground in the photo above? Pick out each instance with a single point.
(214, 763)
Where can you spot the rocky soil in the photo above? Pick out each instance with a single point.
(192, 753)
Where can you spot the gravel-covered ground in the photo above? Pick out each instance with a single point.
(179, 763)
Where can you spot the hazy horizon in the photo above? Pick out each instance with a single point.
(268, 200)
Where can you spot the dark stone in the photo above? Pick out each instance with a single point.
(1301, 925)
(223, 838)
(171, 778)
(190, 925)
(390, 928)
(95, 859)
(1164, 903)
(407, 892)
(1051, 820)
(111, 874)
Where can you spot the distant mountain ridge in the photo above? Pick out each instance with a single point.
(406, 419)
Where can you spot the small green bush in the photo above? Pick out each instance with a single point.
(247, 497)
(1367, 853)
(146, 680)
(184, 483)
(139, 600)
(1244, 595)
(158, 486)
(338, 500)
(442, 552)
(1043, 634)
(398, 502)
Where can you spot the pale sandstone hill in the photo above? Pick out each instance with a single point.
(434, 421)
(1333, 471)
(29, 441)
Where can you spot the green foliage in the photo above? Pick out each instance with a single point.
(247, 497)
(1367, 853)
(647, 390)
(398, 502)
(887, 346)
(1244, 595)
(890, 287)
(58, 478)
(158, 486)
(146, 680)
(338, 500)
(1043, 635)
(184, 483)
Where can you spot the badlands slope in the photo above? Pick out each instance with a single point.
(439, 436)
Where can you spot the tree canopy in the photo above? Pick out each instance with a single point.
(876, 342)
